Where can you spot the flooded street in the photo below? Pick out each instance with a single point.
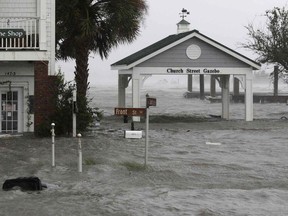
(197, 165)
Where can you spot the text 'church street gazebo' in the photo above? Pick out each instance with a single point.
(187, 53)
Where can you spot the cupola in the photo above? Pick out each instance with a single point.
(183, 25)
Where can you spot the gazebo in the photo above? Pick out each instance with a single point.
(187, 53)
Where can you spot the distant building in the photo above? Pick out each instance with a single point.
(27, 63)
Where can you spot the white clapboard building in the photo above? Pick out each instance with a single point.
(27, 59)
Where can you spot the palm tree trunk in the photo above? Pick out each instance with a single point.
(81, 78)
(82, 71)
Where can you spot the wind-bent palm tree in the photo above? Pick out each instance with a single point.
(85, 26)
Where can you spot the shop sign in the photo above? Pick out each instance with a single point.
(12, 33)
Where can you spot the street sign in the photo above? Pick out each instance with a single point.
(150, 102)
(130, 111)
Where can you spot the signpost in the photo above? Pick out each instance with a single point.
(149, 102)
(139, 112)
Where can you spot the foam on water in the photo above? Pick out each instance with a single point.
(245, 175)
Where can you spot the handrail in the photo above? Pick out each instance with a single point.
(29, 39)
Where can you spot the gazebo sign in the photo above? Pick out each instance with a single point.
(12, 33)
(193, 71)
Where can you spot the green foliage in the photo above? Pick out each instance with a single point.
(98, 25)
(271, 43)
(85, 26)
(89, 161)
(44, 129)
(84, 115)
(63, 114)
(63, 111)
(133, 166)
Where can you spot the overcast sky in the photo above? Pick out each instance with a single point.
(221, 20)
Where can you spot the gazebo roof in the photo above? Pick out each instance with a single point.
(173, 40)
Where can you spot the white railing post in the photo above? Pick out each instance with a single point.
(79, 153)
(53, 144)
(74, 111)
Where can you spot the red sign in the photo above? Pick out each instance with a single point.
(150, 102)
(130, 111)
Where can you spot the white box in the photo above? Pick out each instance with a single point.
(133, 134)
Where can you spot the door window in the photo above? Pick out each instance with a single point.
(9, 111)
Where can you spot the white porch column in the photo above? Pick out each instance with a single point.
(249, 97)
(122, 85)
(52, 37)
(225, 96)
(41, 12)
(136, 88)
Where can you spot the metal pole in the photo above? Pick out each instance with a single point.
(53, 144)
(276, 76)
(79, 153)
(147, 129)
(74, 112)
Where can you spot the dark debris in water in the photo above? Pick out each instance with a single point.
(24, 183)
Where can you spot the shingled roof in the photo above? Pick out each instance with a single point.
(168, 41)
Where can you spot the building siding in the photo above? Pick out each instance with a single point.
(10, 8)
(28, 8)
(176, 57)
(31, 69)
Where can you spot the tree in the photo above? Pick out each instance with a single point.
(85, 26)
(271, 44)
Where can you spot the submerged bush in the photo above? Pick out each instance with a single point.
(63, 115)
(133, 166)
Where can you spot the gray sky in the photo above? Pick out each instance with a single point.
(221, 20)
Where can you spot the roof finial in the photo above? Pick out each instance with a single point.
(184, 13)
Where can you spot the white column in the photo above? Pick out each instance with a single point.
(122, 85)
(52, 37)
(249, 97)
(42, 14)
(225, 96)
(136, 86)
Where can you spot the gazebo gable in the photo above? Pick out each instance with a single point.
(203, 55)
(162, 51)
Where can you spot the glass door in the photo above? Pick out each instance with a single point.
(9, 111)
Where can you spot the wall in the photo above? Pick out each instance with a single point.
(10, 8)
(44, 98)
